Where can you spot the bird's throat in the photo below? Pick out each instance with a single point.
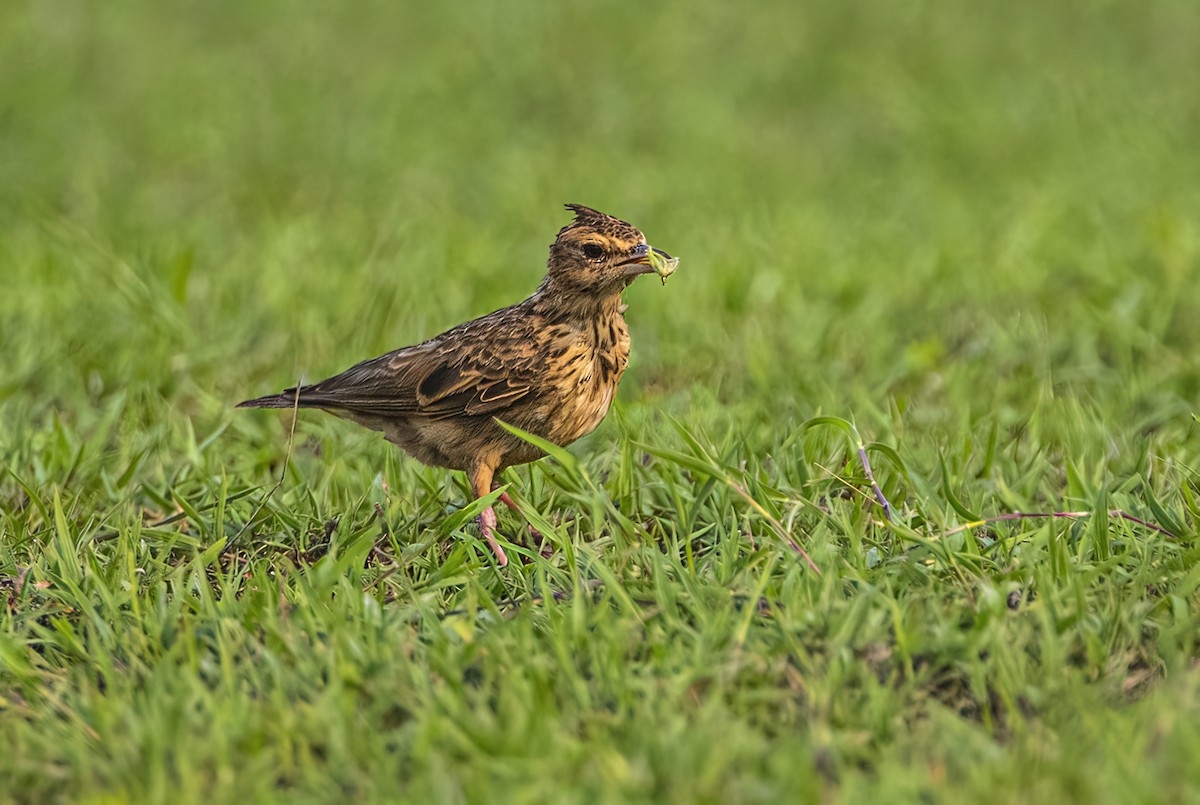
(560, 304)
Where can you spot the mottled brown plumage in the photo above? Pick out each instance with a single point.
(549, 365)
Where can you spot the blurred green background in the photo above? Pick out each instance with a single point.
(973, 229)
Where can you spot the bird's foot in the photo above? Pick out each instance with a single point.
(487, 524)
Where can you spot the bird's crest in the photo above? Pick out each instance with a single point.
(603, 223)
(583, 212)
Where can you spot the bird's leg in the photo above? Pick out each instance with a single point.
(533, 532)
(512, 504)
(506, 500)
(481, 484)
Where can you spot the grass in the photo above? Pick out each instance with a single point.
(965, 238)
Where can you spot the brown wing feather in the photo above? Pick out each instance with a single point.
(467, 389)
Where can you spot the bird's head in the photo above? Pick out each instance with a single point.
(598, 255)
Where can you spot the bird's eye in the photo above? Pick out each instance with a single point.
(592, 250)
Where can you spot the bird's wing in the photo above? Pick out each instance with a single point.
(446, 377)
(470, 388)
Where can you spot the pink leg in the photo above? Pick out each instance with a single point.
(487, 524)
(512, 504)
(481, 484)
(543, 548)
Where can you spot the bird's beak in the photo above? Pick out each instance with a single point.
(651, 261)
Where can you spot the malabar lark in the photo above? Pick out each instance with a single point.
(549, 365)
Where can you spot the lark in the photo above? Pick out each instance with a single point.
(549, 365)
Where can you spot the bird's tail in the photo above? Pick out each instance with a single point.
(289, 398)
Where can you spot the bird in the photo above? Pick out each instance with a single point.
(548, 365)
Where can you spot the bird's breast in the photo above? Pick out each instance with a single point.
(587, 381)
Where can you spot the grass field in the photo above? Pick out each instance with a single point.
(965, 237)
